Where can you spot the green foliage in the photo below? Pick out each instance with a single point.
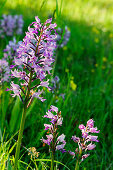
(14, 119)
(87, 60)
(6, 148)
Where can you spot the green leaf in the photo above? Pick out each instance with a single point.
(9, 167)
(14, 121)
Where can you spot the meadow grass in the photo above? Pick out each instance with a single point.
(88, 61)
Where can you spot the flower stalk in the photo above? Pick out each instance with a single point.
(35, 57)
(22, 124)
(54, 141)
(52, 160)
(53, 148)
(77, 165)
(85, 143)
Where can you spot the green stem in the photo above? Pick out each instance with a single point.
(53, 148)
(22, 124)
(20, 138)
(77, 165)
(52, 160)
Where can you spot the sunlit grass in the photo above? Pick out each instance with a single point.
(85, 68)
(92, 12)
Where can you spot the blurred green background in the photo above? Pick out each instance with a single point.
(87, 61)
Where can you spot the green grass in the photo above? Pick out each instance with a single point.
(89, 58)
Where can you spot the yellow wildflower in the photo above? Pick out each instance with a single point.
(104, 59)
(95, 30)
(72, 78)
(103, 67)
(110, 35)
(96, 65)
(73, 85)
(92, 70)
(65, 48)
(96, 40)
(66, 70)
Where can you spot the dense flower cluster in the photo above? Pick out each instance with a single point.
(11, 49)
(10, 24)
(86, 143)
(6, 63)
(4, 71)
(56, 142)
(35, 58)
(66, 36)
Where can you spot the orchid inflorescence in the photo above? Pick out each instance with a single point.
(85, 143)
(53, 140)
(32, 60)
(6, 63)
(4, 71)
(35, 59)
(10, 25)
(11, 49)
(66, 36)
